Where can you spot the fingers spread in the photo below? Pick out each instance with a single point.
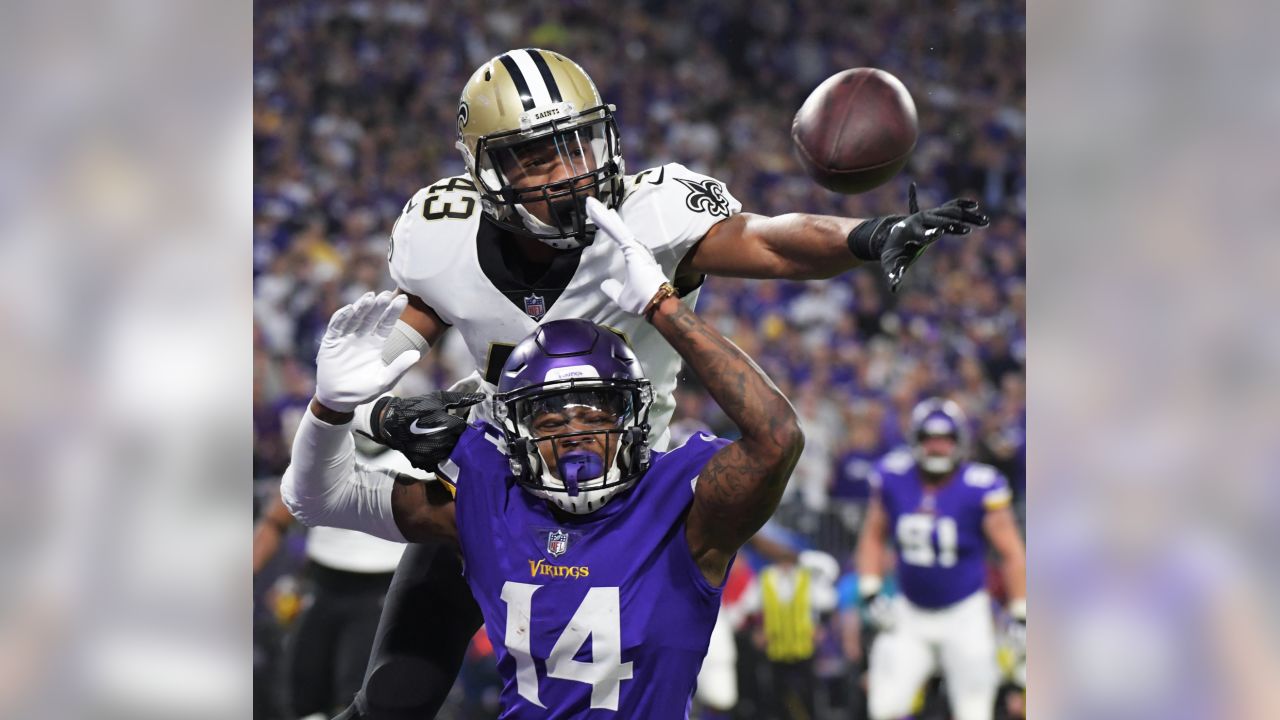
(912, 205)
(952, 215)
(963, 210)
(373, 312)
(963, 203)
(338, 323)
(392, 313)
(359, 311)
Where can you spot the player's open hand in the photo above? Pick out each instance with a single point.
(349, 367)
(908, 237)
(643, 275)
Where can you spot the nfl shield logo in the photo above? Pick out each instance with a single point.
(535, 306)
(557, 542)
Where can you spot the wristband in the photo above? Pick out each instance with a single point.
(665, 290)
(1018, 609)
(866, 241)
(869, 585)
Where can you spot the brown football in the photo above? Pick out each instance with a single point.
(856, 130)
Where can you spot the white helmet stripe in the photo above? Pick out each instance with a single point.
(537, 86)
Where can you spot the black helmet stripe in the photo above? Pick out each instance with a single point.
(545, 70)
(522, 85)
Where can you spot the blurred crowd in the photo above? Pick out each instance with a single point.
(354, 109)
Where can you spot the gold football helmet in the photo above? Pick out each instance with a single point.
(538, 141)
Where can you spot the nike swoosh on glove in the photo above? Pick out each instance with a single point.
(426, 427)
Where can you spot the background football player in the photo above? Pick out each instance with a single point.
(580, 482)
(941, 511)
(508, 245)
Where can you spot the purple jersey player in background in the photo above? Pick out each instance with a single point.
(597, 563)
(941, 512)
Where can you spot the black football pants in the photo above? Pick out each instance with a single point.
(427, 622)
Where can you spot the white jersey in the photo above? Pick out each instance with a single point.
(444, 252)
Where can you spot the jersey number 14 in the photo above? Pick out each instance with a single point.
(596, 618)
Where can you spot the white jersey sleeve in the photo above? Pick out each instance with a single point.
(437, 225)
(671, 208)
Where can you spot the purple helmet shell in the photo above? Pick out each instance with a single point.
(574, 363)
(568, 349)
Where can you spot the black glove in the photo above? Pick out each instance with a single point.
(422, 427)
(897, 240)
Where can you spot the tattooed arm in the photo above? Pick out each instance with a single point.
(740, 486)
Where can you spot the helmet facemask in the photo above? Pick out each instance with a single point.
(535, 181)
(577, 443)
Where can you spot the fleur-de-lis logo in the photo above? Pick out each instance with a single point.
(464, 114)
(706, 196)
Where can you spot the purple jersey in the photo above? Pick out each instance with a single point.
(938, 533)
(595, 616)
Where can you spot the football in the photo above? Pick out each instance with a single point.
(856, 130)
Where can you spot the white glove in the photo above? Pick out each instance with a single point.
(877, 608)
(349, 367)
(880, 613)
(643, 275)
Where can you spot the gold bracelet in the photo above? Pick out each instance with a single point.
(665, 290)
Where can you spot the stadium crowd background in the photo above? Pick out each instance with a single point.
(355, 106)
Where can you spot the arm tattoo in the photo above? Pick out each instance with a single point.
(741, 486)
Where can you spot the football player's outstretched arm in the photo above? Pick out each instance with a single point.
(740, 486)
(324, 485)
(800, 246)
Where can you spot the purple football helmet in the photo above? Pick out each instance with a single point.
(569, 387)
(933, 417)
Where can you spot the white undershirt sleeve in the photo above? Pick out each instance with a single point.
(324, 485)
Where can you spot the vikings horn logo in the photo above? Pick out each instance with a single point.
(557, 542)
(706, 196)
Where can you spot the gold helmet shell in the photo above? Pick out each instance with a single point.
(538, 100)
